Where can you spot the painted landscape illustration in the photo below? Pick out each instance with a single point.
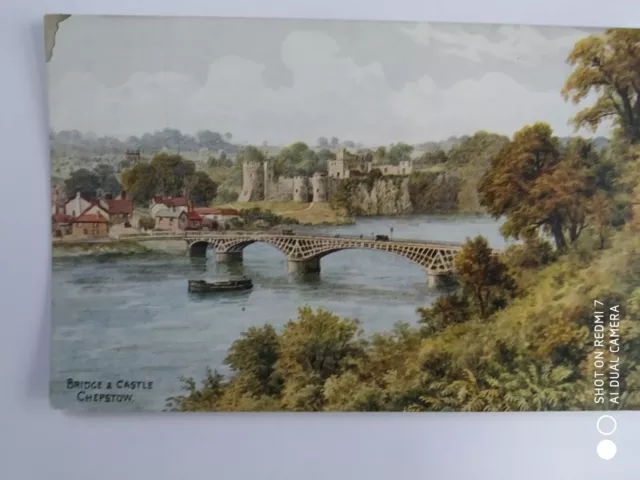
(307, 215)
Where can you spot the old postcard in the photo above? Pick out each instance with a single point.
(306, 215)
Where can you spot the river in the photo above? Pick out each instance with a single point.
(131, 319)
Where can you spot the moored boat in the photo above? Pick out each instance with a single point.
(202, 286)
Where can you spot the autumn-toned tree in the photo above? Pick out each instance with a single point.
(536, 183)
(607, 65)
(485, 279)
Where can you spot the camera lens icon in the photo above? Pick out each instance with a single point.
(606, 425)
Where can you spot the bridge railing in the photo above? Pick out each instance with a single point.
(229, 233)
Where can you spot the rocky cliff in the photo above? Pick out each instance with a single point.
(390, 195)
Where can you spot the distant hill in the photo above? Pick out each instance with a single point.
(72, 143)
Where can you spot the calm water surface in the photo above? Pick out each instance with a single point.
(132, 319)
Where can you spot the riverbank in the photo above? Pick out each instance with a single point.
(310, 214)
(78, 248)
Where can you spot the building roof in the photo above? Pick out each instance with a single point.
(90, 218)
(62, 218)
(120, 206)
(193, 216)
(86, 198)
(170, 201)
(217, 211)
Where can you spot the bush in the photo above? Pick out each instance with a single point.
(146, 223)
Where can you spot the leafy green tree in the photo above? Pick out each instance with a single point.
(315, 347)
(203, 399)
(84, 181)
(607, 65)
(146, 223)
(484, 277)
(140, 182)
(445, 311)
(107, 179)
(253, 358)
(399, 152)
(335, 142)
(200, 189)
(170, 173)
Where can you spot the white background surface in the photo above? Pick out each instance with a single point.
(39, 443)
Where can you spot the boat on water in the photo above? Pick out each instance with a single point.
(202, 286)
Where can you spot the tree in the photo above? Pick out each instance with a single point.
(446, 310)
(228, 136)
(170, 173)
(253, 357)
(608, 66)
(140, 182)
(484, 278)
(323, 142)
(312, 349)
(107, 179)
(335, 141)
(84, 181)
(537, 185)
(146, 223)
(400, 152)
(601, 210)
(200, 189)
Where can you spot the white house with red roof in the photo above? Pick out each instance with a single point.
(174, 204)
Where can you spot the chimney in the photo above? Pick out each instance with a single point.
(123, 195)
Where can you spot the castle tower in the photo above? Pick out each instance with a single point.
(300, 189)
(319, 186)
(252, 182)
(268, 180)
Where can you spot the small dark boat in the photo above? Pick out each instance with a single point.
(201, 286)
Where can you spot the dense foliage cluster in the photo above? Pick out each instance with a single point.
(168, 175)
(256, 217)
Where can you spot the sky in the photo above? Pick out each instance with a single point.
(282, 81)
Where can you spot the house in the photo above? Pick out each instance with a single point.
(177, 204)
(120, 209)
(90, 225)
(190, 220)
(61, 223)
(221, 216)
(167, 219)
(80, 203)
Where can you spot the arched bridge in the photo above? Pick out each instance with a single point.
(304, 251)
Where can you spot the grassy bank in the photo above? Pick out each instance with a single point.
(305, 213)
(73, 248)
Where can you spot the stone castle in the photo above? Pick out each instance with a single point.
(259, 182)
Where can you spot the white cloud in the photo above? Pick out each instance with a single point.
(330, 95)
(494, 103)
(523, 44)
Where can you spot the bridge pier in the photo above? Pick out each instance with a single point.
(223, 257)
(303, 266)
